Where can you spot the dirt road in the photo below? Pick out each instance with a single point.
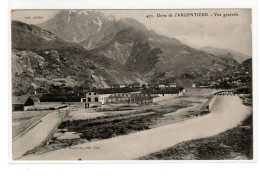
(228, 112)
(36, 135)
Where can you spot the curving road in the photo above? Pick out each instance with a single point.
(36, 135)
(228, 112)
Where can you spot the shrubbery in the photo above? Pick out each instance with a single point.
(103, 130)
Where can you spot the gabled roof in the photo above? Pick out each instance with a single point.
(19, 100)
(34, 98)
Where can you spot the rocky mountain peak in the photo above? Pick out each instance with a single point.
(77, 25)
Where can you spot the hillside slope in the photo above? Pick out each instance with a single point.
(95, 50)
(230, 56)
(39, 57)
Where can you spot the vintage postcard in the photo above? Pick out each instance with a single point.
(131, 84)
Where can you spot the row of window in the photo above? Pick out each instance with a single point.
(93, 93)
(89, 99)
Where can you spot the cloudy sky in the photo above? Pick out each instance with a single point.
(232, 32)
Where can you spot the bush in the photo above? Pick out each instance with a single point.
(106, 129)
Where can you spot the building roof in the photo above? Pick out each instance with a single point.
(34, 98)
(114, 90)
(19, 100)
(163, 91)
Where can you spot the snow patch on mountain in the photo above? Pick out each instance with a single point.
(69, 16)
(99, 23)
(82, 12)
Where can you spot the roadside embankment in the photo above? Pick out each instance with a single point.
(234, 144)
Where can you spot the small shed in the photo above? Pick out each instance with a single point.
(18, 103)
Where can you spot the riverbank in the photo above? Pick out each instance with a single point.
(234, 144)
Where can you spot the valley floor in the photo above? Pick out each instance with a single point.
(121, 119)
(228, 113)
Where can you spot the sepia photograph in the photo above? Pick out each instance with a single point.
(168, 84)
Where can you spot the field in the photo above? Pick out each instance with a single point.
(234, 144)
(21, 120)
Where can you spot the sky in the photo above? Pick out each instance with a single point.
(230, 32)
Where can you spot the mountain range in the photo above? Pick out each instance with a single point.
(79, 48)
